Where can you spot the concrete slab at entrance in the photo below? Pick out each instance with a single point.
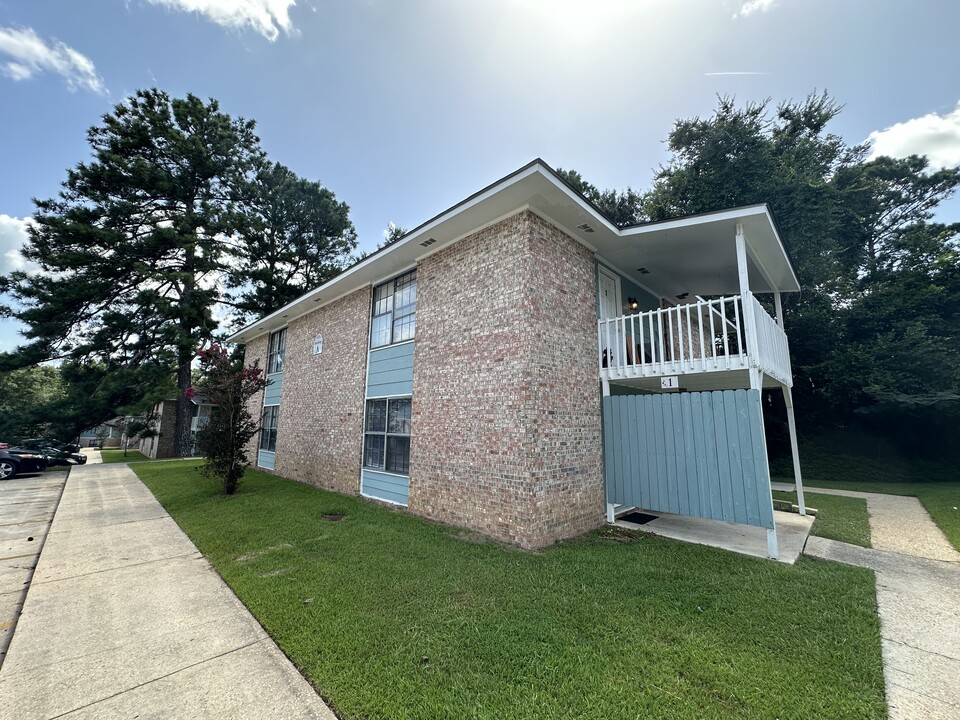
(125, 618)
(792, 532)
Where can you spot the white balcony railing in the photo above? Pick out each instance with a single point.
(773, 350)
(701, 337)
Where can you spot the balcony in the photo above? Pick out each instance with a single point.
(707, 345)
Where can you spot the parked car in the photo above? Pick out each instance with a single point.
(57, 453)
(14, 461)
(50, 442)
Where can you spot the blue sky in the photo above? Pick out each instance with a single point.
(403, 108)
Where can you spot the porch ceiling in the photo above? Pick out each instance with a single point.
(697, 255)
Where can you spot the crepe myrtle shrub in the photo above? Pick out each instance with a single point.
(228, 386)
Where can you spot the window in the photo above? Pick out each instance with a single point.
(394, 311)
(278, 342)
(386, 441)
(268, 428)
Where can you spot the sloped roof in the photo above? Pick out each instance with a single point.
(681, 254)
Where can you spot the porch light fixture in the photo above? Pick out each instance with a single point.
(632, 304)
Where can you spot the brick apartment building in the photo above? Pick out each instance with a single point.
(520, 366)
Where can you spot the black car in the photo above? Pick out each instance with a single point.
(57, 453)
(14, 461)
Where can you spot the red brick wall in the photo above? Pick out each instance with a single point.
(255, 353)
(506, 411)
(320, 434)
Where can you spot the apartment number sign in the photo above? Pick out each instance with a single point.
(318, 344)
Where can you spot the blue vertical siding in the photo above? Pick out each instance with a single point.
(695, 454)
(390, 371)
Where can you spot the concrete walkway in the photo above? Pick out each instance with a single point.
(93, 456)
(918, 600)
(897, 523)
(125, 618)
(792, 532)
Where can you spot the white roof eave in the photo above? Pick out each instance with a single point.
(535, 186)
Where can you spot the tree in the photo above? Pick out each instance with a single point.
(131, 250)
(393, 233)
(876, 325)
(95, 392)
(297, 237)
(224, 440)
(139, 428)
(621, 208)
(25, 395)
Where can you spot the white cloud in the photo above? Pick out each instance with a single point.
(933, 135)
(267, 17)
(24, 54)
(13, 234)
(754, 6)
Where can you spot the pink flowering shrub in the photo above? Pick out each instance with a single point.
(228, 386)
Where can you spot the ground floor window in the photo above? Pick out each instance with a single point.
(268, 428)
(386, 440)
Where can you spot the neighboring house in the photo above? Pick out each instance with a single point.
(161, 444)
(520, 366)
(108, 435)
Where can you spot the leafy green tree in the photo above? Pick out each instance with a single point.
(621, 208)
(95, 392)
(132, 249)
(874, 332)
(25, 396)
(393, 233)
(296, 238)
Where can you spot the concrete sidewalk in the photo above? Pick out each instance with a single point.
(125, 618)
(898, 523)
(918, 600)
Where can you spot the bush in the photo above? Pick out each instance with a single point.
(223, 442)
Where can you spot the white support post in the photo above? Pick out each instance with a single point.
(605, 384)
(749, 320)
(779, 305)
(794, 448)
(772, 548)
(611, 517)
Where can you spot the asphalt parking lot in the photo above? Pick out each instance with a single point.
(27, 505)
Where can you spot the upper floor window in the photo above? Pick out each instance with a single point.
(394, 311)
(278, 341)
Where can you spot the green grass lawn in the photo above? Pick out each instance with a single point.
(839, 518)
(391, 616)
(115, 455)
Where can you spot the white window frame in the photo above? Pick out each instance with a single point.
(390, 311)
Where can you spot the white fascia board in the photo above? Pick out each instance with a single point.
(700, 219)
(537, 167)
